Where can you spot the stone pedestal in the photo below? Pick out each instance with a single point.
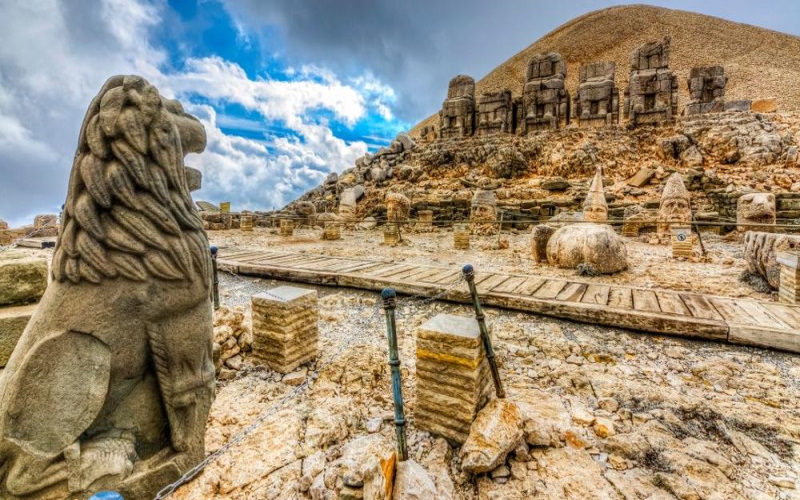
(461, 236)
(332, 231)
(453, 377)
(285, 333)
(681, 242)
(246, 222)
(225, 207)
(391, 234)
(425, 220)
(287, 227)
(23, 279)
(789, 290)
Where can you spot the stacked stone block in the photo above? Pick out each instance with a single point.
(391, 234)
(246, 222)
(453, 377)
(285, 332)
(287, 227)
(652, 93)
(425, 220)
(681, 242)
(461, 236)
(225, 207)
(457, 117)
(332, 231)
(23, 281)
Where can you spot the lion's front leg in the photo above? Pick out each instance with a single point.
(181, 348)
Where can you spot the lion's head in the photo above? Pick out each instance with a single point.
(128, 212)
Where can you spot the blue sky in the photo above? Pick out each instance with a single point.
(288, 90)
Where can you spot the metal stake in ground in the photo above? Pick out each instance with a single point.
(389, 298)
(469, 275)
(215, 292)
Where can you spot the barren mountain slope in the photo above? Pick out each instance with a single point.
(759, 62)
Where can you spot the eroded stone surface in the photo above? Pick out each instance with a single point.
(496, 431)
(22, 279)
(593, 245)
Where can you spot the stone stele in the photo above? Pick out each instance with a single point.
(111, 382)
(753, 210)
(675, 206)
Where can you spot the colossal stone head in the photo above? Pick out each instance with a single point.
(755, 208)
(398, 207)
(484, 209)
(595, 208)
(675, 205)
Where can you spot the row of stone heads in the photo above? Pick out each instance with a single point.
(651, 96)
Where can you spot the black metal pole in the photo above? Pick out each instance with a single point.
(389, 303)
(215, 292)
(469, 275)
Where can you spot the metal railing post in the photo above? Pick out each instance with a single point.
(469, 276)
(389, 298)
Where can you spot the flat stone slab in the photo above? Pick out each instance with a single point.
(13, 321)
(285, 294)
(451, 324)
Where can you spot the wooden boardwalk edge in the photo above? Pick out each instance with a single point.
(712, 327)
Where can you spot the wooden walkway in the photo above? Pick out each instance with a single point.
(738, 321)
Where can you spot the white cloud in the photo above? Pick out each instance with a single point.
(56, 54)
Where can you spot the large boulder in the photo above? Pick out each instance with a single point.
(496, 431)
(22, 279)
(539, 238)
(412, 482)
(594, 245)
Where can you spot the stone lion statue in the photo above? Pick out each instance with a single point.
(111, 383)
(754, 211)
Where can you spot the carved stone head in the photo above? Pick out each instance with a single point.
(398, 207)
(755, 208)
(595, 208)
(675, 205)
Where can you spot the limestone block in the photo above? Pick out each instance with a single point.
(391, 234)
(194, 178)
(642, 177)
(412, 482)
(754, 210)
(539, 238)
(285, 332)
(332, 231)
(22, 279)
(12, 323)
(225, 207)
(764, 105)
(287, 227)
(497, 430)
(246, 223)
(761, 250)
(681, 242)
(452, 376)
(461, 235)
(424, 220)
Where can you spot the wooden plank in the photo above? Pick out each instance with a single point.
(645, 300)
(550, 289)
(480, 278)
(509, 285)
(486, 286)
(448, 278)
(620, 298)
(731, 311)
(700, 307)
(399, 271)
(761, 316)
(671, 302)
(424, 273)
(385, 269)
(596, 294)
(572, 292)
(403, 276)
(359, 266)
(785, 339)
(434, 278)
(529, 286)
(788, 314)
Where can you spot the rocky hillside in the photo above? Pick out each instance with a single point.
(760, 63)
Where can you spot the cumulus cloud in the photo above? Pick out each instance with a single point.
(56, 54)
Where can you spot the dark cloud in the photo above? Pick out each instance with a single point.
(417, 45)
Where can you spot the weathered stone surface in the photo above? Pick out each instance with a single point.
(545, 100)
(13, 321)
(285, 332)
(706, 90)
(545, 420)
(412, 482)
(207, 207)
(495, 113)
(555, 184)
(457, 117)
(306, 214)
(652, 93)
(755, 208)
(496, 431)
(761, 250)
(194, 179)
(539, 238)
(764, 105)
(398, 207)
(483, 213)
(594, 245)
(642, 177)
(22, 279)
(597, 100)
(111, 383)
